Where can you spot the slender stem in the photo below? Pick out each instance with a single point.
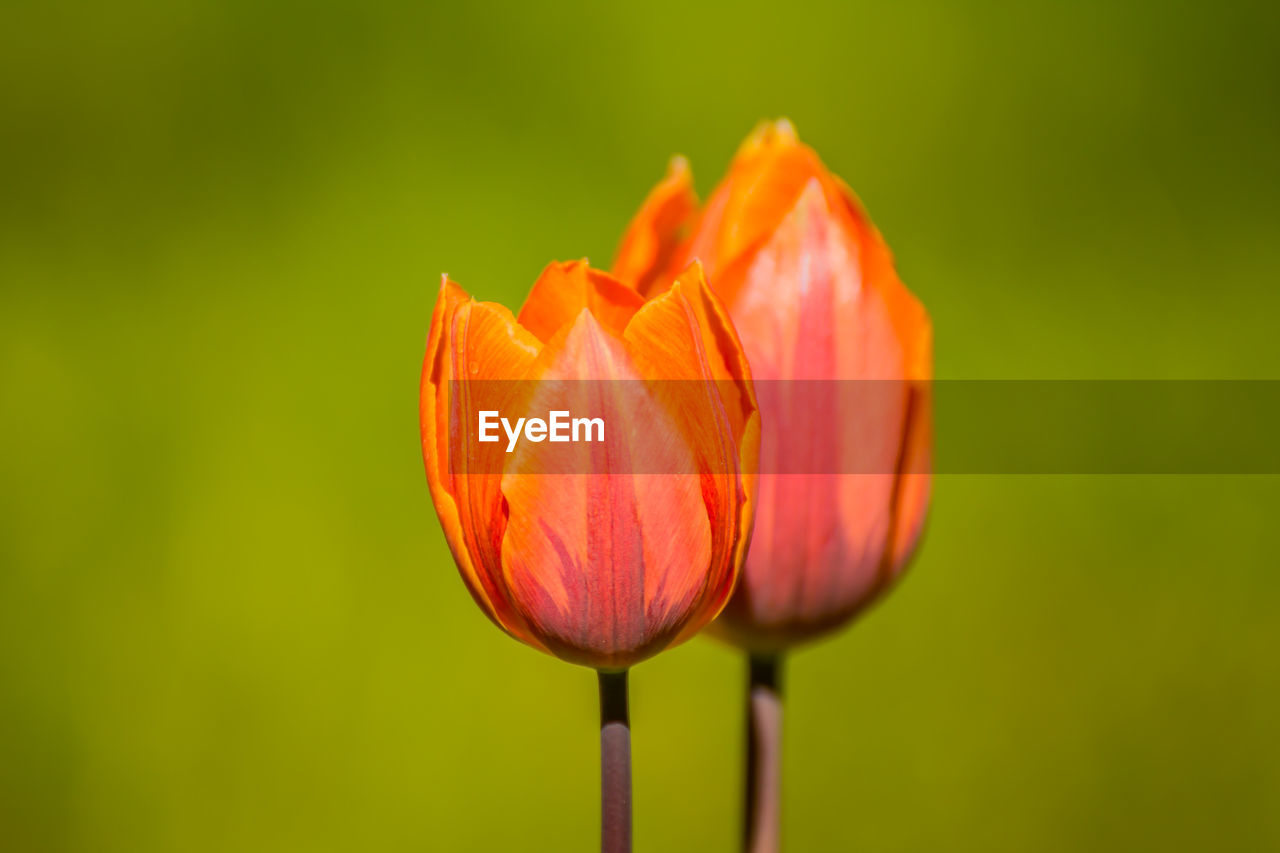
(615, 764)
(761, 823)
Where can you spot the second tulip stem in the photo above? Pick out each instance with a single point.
(761, 827)
(615, 764)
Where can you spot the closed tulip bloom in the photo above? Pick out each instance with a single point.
(608, 556)
(599, 569)
(811, 288)
(844, 460)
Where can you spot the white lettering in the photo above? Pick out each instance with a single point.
(513, 435)
(587, 424)
(488, 421)
(559, 427)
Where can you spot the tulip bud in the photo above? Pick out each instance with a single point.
(811, 288)
(606, 563)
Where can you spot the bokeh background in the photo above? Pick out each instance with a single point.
(228, 620)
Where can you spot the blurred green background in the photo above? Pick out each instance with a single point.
(228, 620)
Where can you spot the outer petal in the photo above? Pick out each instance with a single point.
(565, 288)
(766, 177)
(472, 341)
(915, 473)
(914, 332)
(587, 556)
(818, 300)
(650, 247)
(685, 339)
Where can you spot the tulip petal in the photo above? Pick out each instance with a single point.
(470, 341)
(583, 553)
(915, 471)
(767, 175)
(649, 248)
(911, 326)
(565, 289)
(820, 539)
(685, 338)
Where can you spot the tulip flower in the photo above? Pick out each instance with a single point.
(607, 563)
(811, 288)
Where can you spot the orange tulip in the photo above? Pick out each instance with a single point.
(607, 556)
(811, 288)
(607, 566)
(845, 461)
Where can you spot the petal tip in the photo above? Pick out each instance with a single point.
(694, 269)
(780, 132)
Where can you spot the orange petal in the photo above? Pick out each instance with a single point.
(586, 555)
(470, 341)
(564, 289)
(916, 468)
(685, 339)
(818, 300)
(649, 248)
(766, 177)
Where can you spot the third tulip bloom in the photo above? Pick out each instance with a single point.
(810, 286)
